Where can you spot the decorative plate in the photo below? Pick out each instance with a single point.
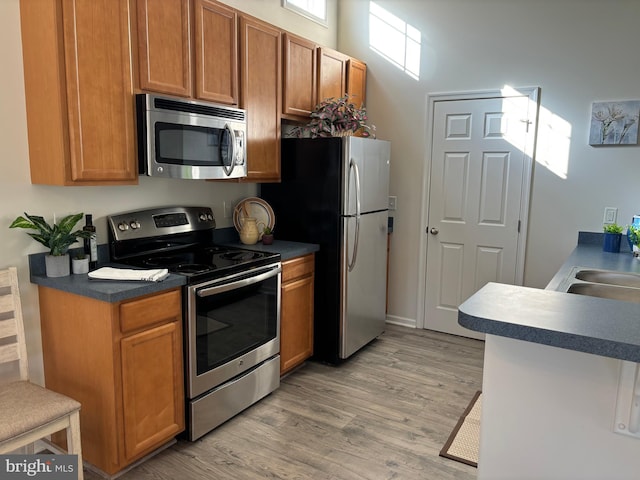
(257, 208)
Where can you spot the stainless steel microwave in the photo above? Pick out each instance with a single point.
(180, 138)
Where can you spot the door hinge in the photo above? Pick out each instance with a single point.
(518, 226)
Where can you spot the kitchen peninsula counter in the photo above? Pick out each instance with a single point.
(552, 363)
(551, 317)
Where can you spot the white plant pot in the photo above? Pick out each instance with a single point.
(57, 266)
(80, 265)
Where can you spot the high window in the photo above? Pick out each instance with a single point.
(395, 40)
(316, 10)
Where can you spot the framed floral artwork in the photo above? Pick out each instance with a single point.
(614, 123)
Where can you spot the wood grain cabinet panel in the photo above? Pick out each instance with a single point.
(152, 388)
(332, 74)
(128, 379)
(79, 91)
(188, 48)
(216, 52)
(261, 94)
(299, 76)
(164, 46)
(296, 314)
(357, 81)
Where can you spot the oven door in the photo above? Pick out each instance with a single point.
(233, 324)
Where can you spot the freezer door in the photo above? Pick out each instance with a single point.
(366, 160)
(364, 287)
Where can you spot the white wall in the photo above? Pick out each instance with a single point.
(548, 413)
(577, 51)
(17, 195)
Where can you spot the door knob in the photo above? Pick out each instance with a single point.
(434, 231)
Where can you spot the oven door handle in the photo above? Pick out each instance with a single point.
(205, 292)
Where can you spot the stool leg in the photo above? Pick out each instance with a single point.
(74, 445)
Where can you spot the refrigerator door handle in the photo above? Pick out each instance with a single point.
(356, 176)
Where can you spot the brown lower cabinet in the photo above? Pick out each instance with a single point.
(296, 314)
(123, 363)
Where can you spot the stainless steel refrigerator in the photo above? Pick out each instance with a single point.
(334, 192)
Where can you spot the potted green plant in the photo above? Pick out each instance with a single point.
(57, 238)
(335, 118)
(612, 237)
(633, 234)
(267, 236)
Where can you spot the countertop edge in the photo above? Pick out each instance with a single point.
(107, 290)
(115, 291)
(553, 338)
(582, 323)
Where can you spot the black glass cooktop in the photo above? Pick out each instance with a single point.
(205, 261)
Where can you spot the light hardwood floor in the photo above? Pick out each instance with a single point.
(384, 414)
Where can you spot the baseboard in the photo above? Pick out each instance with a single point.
(401, 321)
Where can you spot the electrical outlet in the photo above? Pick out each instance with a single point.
(610, 215)
(226, 208)
(393, 202)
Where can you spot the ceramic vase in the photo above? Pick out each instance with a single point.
(57, 265)
(249, 233)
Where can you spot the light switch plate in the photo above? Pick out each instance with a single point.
(393, 202)
(610, 215)
(226, 208)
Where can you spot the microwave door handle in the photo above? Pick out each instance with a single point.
(228, 169)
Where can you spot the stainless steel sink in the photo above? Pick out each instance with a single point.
(609, 278)
(601, 290)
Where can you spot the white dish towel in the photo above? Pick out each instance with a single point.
(110, 273)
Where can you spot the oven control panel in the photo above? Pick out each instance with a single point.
(160, 221)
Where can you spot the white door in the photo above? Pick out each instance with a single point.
(479, 164)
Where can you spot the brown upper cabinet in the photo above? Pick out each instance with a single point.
(260, 96)
(357, 81)
(299, 76)
(188, 48)
(312, 74)
(332, 74)
(79, 91)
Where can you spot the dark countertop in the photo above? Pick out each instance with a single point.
(113, 291)
(609, 328)
(107, 290)
(286, 249)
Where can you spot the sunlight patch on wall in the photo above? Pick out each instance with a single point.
(554, 142)
(395, 40)
(554, 134)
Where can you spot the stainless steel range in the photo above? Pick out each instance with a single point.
(231, 307)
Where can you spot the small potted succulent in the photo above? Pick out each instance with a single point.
(612, 237)
(57, 238)
(335, 118)
(267, 236)
(80, 263)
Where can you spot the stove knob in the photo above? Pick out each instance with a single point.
(135, 224)
(123, 226)
(210, 217)
(203, 217)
